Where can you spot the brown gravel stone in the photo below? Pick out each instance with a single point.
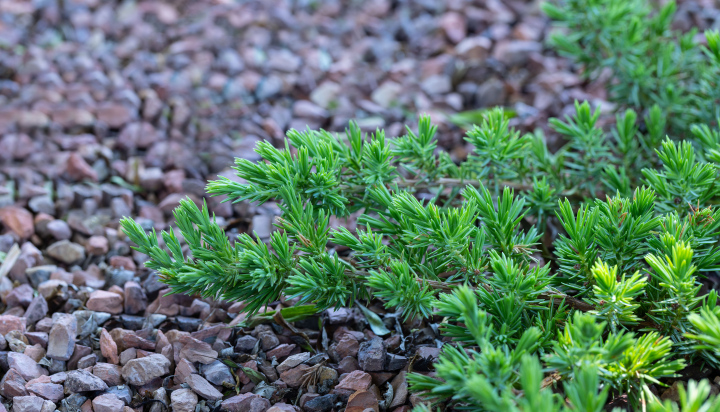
(474, 48)
(281, 351)
(37, 338)
(161, 341)
(110, 374)
(244, 378)
(128, 339)
(400, 389)
(197, 351)
(19, 220)
(46, 390)
(97, 245)
(348, 346)
(59, 230)
(379, 378)
(114, 115)
(245, 344)
(58, 377)
(71, 117)
(12, 384)
(28, 368)
(107, 403)
(245, 402)
(306, 398)
(108, 347)
(103, 301)
(168, 305)
(268, 340)
(44, 325)
(202, 387)
(348, 364)
(9, 323)
(672, 393)
(183, 370)
(123, 262)
(127, 355)
(515, 52)
(35, 352)
(343, 330)
(356, 381)
(78, 169)
(361, 401)
(293, 377)
(79, 352)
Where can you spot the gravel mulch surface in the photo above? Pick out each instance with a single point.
(111, 109)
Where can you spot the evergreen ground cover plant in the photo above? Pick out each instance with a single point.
(564, 279)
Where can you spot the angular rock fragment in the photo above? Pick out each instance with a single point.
(108, 347)
(61, 341)
(12, 384)
(66, 252)
(202, 387)
(109, 373)
(371, 355)
(80, 380)
(28, 368)
(46, 390)
(107, 403)
(32, 404)
(140, 371)
(103, 301)
(183, 400)
(245, 402)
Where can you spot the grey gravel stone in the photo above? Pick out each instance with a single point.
(321, 403)
(39, 274)
(66, 252)
(142, 370)
(218, 373)
(371, 356)
(183, 400)
(245, 343)
(62, 337)
(122, 392)
(32, 404)
(83, 381)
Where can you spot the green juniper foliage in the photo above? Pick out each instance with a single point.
(652, 64)
(563, 279)
(617, 299)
